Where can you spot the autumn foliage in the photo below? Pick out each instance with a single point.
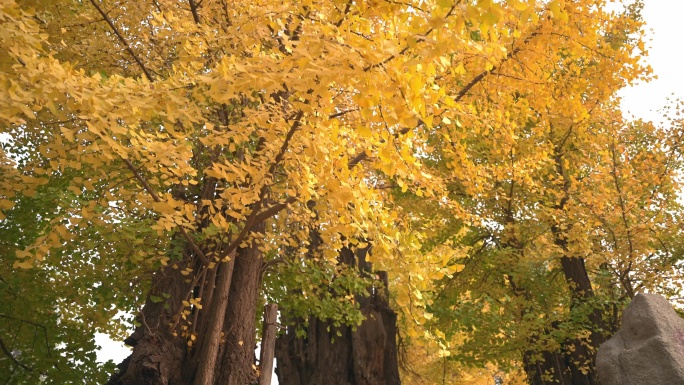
(172, 165)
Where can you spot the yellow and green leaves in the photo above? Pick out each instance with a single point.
(401, 123)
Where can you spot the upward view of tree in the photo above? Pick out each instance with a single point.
(443, 191)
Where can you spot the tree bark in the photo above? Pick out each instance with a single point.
(341, 355)
(208, 345)
(157, 352)
(225, 329)
(237, 360)
(366, 355)
(268, 343)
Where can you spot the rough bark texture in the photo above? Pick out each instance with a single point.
(156, 351)
(161, 358)
(558, 367)
(574, 365)
(583, 355)
(367, 356)
(236, 357)
(205, 362)
(341, 355)
(270, 331)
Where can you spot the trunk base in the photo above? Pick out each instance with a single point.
(340, 355)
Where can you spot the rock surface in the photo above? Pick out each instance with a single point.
(648, 350)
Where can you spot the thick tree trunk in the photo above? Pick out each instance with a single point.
(224, 330)
(156, 351)
(317, 359)
(573, 364)
(578, 355)
(225, 338)
(583, 353)
(339, 355)
(237, 360)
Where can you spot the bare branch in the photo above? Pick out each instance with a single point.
(123, 41)
(9, 354)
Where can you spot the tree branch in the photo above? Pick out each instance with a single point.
(9, 354)
(344, 15)
(156, 198)
(45, 333)
(193, 8)
(338, 114)
(273, 210)
(123, 41)
(460, 95)
(252, 219)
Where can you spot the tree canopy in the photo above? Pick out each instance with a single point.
(159, 154)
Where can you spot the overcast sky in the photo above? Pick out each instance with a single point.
(664, 28)
(664, 19)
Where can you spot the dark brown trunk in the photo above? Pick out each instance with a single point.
(225, 328)
(156, 351)
(269, 332)
(580, 354)
(573, 364)
(322, 357)
(339, 355)
(204, 362)
(237, 360)
(558, 367)
(583, 353)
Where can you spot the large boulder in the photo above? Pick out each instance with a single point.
(648, 350)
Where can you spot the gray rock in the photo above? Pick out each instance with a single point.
(648, 350)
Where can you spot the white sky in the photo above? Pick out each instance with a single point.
(664, 27)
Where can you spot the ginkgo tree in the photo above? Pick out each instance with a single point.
(512, 296)
(580, 207)
(204, 144)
